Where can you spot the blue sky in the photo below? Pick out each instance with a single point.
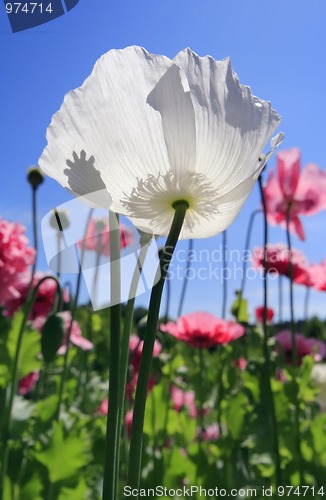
(276, 47)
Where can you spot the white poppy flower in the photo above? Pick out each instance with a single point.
(150, 131)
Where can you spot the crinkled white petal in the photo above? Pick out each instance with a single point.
(109, 119)
(232, 125)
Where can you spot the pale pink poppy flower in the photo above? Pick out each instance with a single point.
(203, 330)
(128, 421)
(98, 236)
(278, 260)
(104, 407)
(259, 311)
(27, 383)
(15, 258)
(184, 399)
(306, 192)
(241, 363)
(314, 277)
(209, 433)
(135, 350)
(305, 346)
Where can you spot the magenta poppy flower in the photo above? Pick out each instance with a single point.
(305, 346)
(98, 236)
(316, 276)
(184, 399)
(305, 192)
(27, 383)
(259, 311)
(209, 433)
(15, 258)
(278, 260)
(104, 407)
(135, 351)
(203, 330)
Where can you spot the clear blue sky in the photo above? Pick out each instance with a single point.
(277, 47)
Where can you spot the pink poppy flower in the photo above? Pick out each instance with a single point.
(315, 276)
(209, 433)
(27, 383)
(260, 314)
(104, 407)
(128, 421)
(15, 258)
(241, 363)
(305, 192)
(278, 260)
(203, 330)
(183, 399)
(305, 346)
(135, 350)
(98, 236)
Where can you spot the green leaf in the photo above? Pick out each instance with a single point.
(76, 492)
(235, 414)
(239, 309)
(64, 457)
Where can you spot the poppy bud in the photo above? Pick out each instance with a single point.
(52, 336)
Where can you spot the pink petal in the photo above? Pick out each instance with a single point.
(288, 168)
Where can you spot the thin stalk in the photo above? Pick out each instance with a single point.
(127, 326)
(14, 379)
(185, 280)
(270, 397)
(35, 240)
(247, 244)
(59, 254)
(73, 313)
(111, 467)
(280, 299)
(201, 392)
(306, 304)
(151, 328)
(224, 282)
(168, 300)
(294, 352)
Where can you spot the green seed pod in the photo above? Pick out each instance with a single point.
(63, 220)
(53, 333)
(35, 177)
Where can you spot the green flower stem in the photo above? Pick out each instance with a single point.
(134, 468)
(247, 244)
(168, 300)
(185, 280)
(73, 314)
(280, 299)
(14, 379)
(306, 304)
(201, 370)
(111, 465)
(127, 326)
(35, 240)
(267, 368)
(294, 353)
(225, 287)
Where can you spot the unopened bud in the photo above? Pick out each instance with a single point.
(35, 177)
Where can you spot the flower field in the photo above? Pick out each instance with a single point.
(126, 401)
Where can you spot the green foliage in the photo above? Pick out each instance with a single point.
(76, 454)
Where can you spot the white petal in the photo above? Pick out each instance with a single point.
(171, 97)
(232, 125)
(109, 119)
